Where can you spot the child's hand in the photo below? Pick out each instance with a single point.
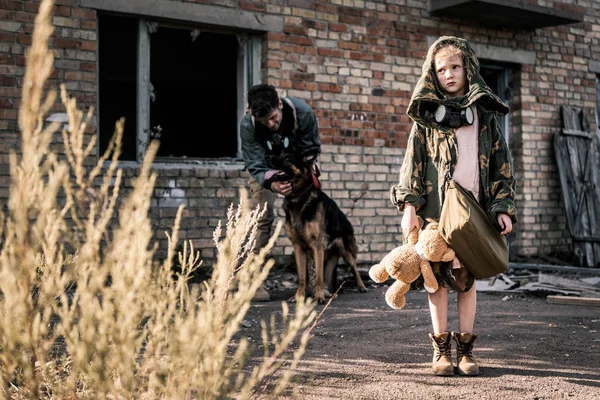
(505, 223)
(409, 220)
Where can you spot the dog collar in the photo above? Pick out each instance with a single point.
(314, 173)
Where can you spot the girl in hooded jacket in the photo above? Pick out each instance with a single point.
(461, 139)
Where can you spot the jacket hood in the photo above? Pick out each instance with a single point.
(428, 94)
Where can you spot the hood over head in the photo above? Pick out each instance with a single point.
(428, 94)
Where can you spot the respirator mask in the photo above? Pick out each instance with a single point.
(454, 117)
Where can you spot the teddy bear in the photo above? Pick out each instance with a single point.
(431, 246)
(405, 264)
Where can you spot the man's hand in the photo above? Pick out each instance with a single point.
(505, 223)
(283, 188)
(409, 220)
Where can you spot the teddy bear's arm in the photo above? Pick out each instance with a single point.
(394, 296)
(378, 273)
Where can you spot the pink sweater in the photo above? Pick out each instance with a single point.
(467, 165)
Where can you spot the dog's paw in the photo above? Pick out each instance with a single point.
(362, 289)
(294, 298)
(326, 293)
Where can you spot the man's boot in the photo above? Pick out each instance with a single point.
(442, 361)
(464, 358)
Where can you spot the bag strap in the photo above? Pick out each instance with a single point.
(447, 275)
(447, 176)
(289, 103)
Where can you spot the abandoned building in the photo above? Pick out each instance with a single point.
(178, 70)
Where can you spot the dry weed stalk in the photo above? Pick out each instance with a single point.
(86, 317)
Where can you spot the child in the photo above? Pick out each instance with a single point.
(468, 145)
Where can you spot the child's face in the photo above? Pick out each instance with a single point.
(450, 71)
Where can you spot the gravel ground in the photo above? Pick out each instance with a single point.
(362, 349)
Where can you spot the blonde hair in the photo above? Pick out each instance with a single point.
(449, 48)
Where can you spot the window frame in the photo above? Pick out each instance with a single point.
(248, 74)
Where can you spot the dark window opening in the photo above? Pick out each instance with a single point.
(496, 78)
(194, 96)
(117, 59)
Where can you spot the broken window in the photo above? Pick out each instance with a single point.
(117, 74)
(496, 77)
(181, 85)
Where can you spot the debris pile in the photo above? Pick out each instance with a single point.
(552, 283)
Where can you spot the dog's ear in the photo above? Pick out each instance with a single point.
(309, 158)
(288, 161)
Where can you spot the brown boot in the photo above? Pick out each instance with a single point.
(464, 359)
(442, 362)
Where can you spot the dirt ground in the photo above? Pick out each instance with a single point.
(363, 349)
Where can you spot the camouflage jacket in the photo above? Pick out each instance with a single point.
(432, 149)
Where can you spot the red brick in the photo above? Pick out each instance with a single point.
(67, 43)
(273, 64)
(62, 11)
(245, 5)
(7, 103)
(31, 7)
(7, 81)
(89, 67)
(349, 45)
(6, 37)
(7, 15)
(276, 36)
(301, 40)
(11, 5)
(338, 27)
(88, 25)
(347, 19)
(81, 13)
(295, 29)
(326, 8)
(88, 45)
(6, 59)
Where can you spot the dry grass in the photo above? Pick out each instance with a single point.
(86, 311)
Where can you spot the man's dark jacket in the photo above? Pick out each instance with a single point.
(262, 149)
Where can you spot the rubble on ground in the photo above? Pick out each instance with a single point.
(532, 279)
(544, 281)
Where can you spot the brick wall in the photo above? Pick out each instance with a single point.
(559, 77)
(356, 63)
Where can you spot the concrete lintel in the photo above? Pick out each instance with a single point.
(594, 66)
(190, 12)
(497, 53)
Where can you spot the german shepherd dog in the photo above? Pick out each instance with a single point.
(317, 228)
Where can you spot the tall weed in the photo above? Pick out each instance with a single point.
(86, 310)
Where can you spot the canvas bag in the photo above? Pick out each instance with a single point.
(468, 230)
